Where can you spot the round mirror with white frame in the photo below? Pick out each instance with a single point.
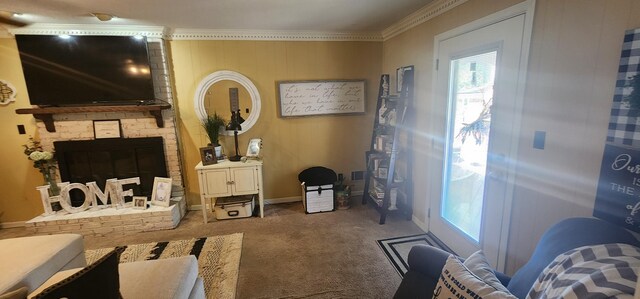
(205, 89)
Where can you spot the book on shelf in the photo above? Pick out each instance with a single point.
(382, 172)
(376, 161)
(382, 142)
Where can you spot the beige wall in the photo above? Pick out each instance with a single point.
(574, 61)
(19, 199)
(289, 144)
(573, 64)
(415, 47)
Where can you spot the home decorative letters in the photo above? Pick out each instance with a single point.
(92, 194)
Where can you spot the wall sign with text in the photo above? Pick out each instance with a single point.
(618, 195)
(305, 98)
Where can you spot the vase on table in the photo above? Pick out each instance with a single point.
(54, 190)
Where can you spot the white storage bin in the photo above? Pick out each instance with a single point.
(234, 207)
(317, 198)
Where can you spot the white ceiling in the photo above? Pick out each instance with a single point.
(277, 15)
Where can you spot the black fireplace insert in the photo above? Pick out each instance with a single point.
(83, 161)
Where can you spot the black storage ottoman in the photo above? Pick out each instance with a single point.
(317, 189)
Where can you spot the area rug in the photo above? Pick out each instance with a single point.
(218, 259)
(397, 249)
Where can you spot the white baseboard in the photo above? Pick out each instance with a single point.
(272, 201)
(12, 224)
(275, 201)
(423, 226)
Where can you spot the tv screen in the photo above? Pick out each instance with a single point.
(84, 70)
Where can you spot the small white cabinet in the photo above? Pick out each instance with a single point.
(228, 179)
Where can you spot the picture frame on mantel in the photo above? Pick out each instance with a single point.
(161, 195)
(140, 202)
(107, 129)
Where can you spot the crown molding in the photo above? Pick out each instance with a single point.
(89, 29)
(428, 12)
(191, 34)
(205, 34)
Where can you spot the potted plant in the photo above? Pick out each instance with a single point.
(213, 124)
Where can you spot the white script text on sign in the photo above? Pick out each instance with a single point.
(304, 98)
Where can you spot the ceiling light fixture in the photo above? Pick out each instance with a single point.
(104, 17)
(10, 18)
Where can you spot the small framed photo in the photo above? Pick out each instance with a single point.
(208, 155)
(399, 76)
(161, 195)
(253, 150)
(140, 202)
(107, 129)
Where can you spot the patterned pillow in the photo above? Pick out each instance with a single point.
(100, 280)
(478, 264)
(457, 281)
(597, 271)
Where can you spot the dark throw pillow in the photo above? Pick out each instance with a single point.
(100, 280)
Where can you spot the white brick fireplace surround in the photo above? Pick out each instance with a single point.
(79, 126)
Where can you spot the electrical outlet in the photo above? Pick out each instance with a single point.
(357, 175)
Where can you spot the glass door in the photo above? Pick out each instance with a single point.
(477, 113)
(467, 141)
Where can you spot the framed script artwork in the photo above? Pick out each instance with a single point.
(161, 195)
(307, 98)
(106, 129)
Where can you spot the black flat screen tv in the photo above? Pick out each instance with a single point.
(86, 70)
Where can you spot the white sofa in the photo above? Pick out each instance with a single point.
(41, 261)
(30, 261)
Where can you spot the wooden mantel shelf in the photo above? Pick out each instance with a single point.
(46, 114)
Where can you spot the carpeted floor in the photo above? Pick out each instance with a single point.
(397, 248)
(290, 254)
(218, 259)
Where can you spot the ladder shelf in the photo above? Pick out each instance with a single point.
(389, 160)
